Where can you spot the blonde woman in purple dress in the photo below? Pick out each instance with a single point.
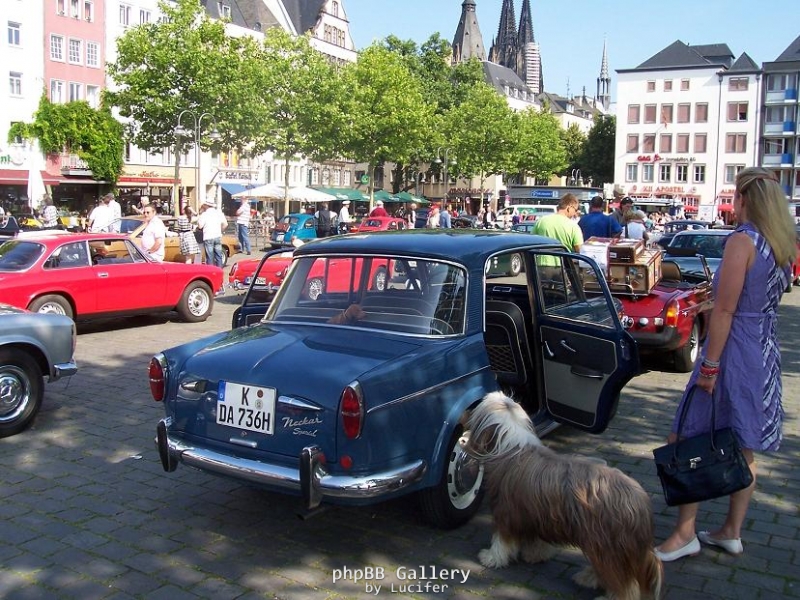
(741, 362)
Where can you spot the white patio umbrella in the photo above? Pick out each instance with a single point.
(274, 191)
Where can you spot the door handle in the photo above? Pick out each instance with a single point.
(584, 372)
(102, 274)
(566, 346)
(550, 353)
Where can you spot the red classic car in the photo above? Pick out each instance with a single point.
(330, 275)
(98, 275)
(381, 224)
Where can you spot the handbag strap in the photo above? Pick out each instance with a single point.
(685, 409)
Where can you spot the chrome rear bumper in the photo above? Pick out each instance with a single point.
(64, 370)
(311, 479)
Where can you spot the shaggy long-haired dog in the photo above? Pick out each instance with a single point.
(541, 499)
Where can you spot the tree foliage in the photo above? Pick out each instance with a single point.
(481, 133)
(573, 139)
(93, 134)
(539, 151)
(597, 160)
(388, 116)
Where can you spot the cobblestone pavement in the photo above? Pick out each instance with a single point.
(86, 510)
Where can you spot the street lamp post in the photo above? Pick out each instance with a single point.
(181, 131)
(447, 161)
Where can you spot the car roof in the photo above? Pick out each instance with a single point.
(461, 245)
(50, 240)
(722, 232)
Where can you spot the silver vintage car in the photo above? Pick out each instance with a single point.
(32, 346)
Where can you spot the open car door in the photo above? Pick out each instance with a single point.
(586, 356)
(264, 284)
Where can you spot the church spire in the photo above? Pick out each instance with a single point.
(505, 48)
(468, 41)
(525, 35)
(604, 81)
(529, 60)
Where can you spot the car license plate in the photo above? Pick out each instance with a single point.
(246, 407)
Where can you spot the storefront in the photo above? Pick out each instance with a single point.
(14, 190)
(154, 185)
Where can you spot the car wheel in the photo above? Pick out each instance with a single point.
(686, 357)
(51, 303)
(196, 302)
(379, 280)
(21, 391)
(314, 288)
(458, 495)
(516, 264)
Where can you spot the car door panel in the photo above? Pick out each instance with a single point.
(587, 356)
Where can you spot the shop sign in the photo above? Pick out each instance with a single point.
(646, 158)
(237, 175)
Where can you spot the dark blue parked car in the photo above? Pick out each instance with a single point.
(356, 394)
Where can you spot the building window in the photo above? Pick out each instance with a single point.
(75, 11)
(775, 147)
(56, 47)
(15, 83)
(737, 111)
(700, 143)
(664, 173)
(684, 85)
(93, 95)
(75, 51)
(701, 112)
(88, 10)
(681, 173)
(92, 54)
(731, 171)
(61, 7)
(684, 113)
(682, 143)
(665, 143)
(633, 143)
(631, 172)
(144, 16)
(735, 142)
(781, 82)
(738, 84)
(13, 34)
(347, 180)
(649, 142)
(699, 175)
(647, 173)
(75, 91)
(224, 10)
(651, 86)
(777, 114)
(124, 15)
(633, 113)
(56, 91)
(668, 85)
(649, 113)
(666, 113)
(335, 9)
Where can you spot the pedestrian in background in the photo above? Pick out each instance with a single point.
(619, 214)
(635, 228)
(243, 225)
(411, 216)
(325, 219)
(154, 235)
(187, 239)
(100, 217)
(379, 211)
(116, 213)
(445, 221)
(212, 223)
(596, 223)
(560, 225)
(49, 214)
(741, 363)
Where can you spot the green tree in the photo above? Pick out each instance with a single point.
(574, 140)
(93, 134)
(185, 62)
(481, 133)
(389, 118)
(539, 151)
(299, 109)
(597, 160)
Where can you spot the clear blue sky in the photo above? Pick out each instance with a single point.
(571, 34)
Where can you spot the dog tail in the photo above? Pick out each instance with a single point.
(652, 576)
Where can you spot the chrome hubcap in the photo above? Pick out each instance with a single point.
(14, 393)
(464, 477)
(198, 302)
(53, 308)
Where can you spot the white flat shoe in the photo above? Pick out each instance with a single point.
(732, 546)
(690, 549)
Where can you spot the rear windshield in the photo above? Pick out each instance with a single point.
(386, 293)
(18, 255)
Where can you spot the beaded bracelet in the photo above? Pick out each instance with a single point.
(710, 363)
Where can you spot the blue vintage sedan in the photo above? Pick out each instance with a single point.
(292, 229)
(356, 393)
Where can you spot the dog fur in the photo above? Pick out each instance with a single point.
(541, 500)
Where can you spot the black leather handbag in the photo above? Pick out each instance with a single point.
(702, 467)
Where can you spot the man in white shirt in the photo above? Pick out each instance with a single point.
(212, 223)
(344, 214)
(153, 235)
(116, 213)
(243, 225)
(100, 217)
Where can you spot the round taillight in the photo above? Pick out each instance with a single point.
(156, 374)
(352, 411)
